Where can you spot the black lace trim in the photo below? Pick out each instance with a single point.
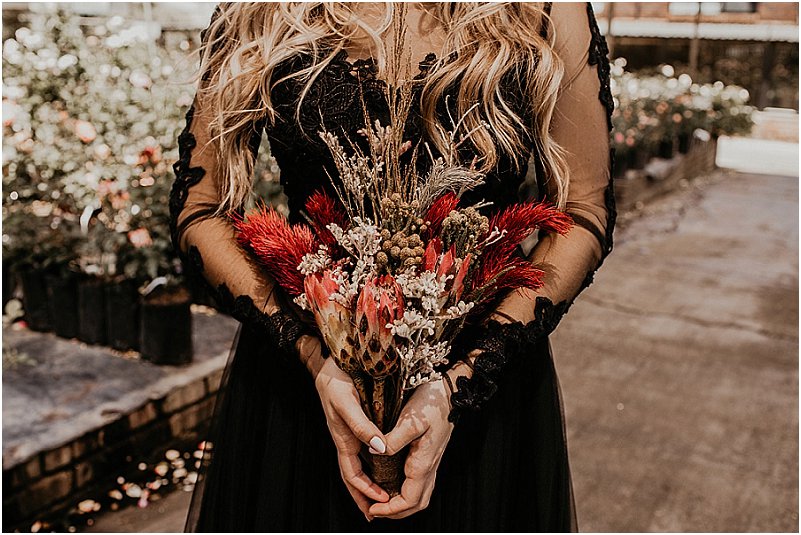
(502, 344)
(599, 55)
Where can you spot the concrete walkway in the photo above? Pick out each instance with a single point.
(679, 369)
(679, 366)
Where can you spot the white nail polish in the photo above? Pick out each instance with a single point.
(378, 444)
(371, 450)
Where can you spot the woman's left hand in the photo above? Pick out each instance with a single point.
(424, 424)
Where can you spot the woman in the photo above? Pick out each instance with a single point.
(287, 427)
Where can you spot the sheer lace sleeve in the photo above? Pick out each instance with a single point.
(581, 125)
(207, 244)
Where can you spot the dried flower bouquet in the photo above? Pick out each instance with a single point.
(392, 266)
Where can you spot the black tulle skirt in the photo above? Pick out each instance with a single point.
(272, 465)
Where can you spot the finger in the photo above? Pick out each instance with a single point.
(366, 431)
(362, 502)
(344, 439)
(351, 468)
(405, 503)
(406, 430)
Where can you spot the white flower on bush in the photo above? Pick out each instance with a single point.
(139, 79)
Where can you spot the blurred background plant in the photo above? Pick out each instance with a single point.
(657, 112)
(91, 120)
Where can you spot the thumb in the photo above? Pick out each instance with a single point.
(366, 431)
(406, 430)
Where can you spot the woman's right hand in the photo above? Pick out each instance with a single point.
(349, 426)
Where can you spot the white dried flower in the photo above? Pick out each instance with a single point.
(459, 309)
(302, 301)
(315, 262)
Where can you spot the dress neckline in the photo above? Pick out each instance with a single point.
(366, 68)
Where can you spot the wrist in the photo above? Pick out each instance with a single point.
(309, 351)
(462, 368)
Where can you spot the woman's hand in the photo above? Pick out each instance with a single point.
(424, 424)
(349, 428)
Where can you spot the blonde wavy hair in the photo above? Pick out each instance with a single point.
(245, 42)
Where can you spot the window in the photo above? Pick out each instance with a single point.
(738, 7)
(710, 8)
(683, 8)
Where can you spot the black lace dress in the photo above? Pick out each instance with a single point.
(272, 465)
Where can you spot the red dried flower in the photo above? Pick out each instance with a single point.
(437, 213)
(498, 270)
(276, 244)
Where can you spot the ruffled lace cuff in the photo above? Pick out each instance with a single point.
(501, 344)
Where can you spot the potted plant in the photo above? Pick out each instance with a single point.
(166, 322)
(98, 259)
(40, 249)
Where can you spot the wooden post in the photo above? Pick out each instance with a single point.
(766, 82)
(695, 45)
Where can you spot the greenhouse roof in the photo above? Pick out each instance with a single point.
(706, 30)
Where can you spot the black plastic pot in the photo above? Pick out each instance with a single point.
(684, 143)
(92, 310)
(122, 314)
(34, 299)
(621, 164)
(636, 158)
(9, 282)
(62, 292)
(165, 336)
(666, 148)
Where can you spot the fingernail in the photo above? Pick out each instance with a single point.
(377, 444)
(371, 450)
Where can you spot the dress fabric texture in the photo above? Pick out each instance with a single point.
(270, 463)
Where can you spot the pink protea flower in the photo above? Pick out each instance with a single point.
(380, 303)
(333, 319)
(447, 264)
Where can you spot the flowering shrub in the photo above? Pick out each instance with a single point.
(650, 108)
(91, 117)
